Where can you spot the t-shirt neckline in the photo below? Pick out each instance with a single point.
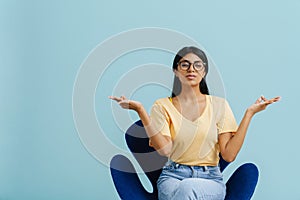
(198, 118)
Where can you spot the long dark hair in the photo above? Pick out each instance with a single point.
(181, 53)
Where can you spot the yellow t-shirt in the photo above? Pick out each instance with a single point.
(194, 142)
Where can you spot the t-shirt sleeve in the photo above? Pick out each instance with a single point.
(226, 122)
(160, 120)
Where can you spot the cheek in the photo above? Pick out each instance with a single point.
(181, 77)
(202, 75)
(178, 75)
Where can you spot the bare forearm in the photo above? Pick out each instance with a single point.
(160, 142)
(235, 143)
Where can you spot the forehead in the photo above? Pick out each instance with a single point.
(191, 57)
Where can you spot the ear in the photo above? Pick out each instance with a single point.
(175, 72)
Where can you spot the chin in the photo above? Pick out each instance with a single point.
(192, 83)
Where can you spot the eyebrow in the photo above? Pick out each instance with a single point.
(190, 61)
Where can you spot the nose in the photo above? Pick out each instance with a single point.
(191, 68)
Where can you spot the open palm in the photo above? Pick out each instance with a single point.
(261, 104)
(126, 103)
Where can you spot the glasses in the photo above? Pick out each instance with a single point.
(185, 65)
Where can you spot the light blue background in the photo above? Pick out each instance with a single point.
(255, 45)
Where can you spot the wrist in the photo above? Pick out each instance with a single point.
(139, 109)
(249, 113)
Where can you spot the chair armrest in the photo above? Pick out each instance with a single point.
(242, 183)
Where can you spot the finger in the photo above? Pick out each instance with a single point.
(112, 97)
(115, 98)
(276, 99)
(263, 98)
(270, 101)
(123, 97)
(273, 100)
(258, 100)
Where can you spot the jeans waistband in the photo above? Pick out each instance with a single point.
(196, 167)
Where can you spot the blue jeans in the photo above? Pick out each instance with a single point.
(180, 182)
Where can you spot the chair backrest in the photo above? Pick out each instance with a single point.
(147, 157)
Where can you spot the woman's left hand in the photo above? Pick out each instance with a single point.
(261, 104)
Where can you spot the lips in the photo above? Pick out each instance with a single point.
(190, 76)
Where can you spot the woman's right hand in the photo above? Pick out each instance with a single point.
(126, 103)
(163, 144)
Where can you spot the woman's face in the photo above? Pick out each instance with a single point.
(190, 70)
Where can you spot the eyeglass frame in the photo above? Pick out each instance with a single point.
(190, 64)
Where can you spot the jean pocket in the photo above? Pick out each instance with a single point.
(215, 173)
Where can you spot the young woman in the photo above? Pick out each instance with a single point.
(191, 128)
